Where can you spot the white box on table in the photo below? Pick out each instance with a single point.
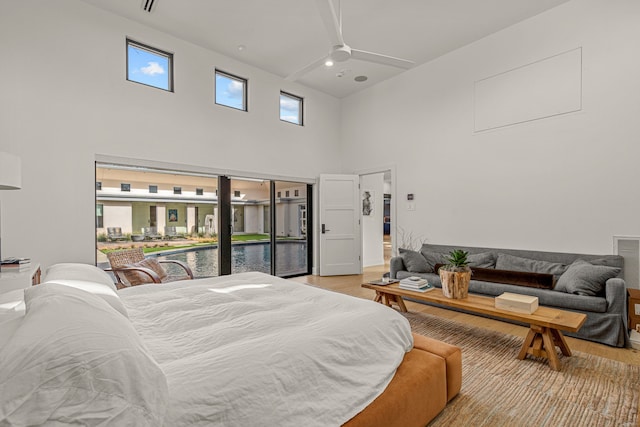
(517, 303)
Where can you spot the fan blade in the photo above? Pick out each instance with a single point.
(330, 20)
(381, 59)
(301, 72)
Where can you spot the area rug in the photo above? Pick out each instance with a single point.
(500, 390)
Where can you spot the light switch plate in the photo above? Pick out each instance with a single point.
(412, 207)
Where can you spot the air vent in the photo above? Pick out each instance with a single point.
(629, 248)
(148, 5)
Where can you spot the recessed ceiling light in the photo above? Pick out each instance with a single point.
(241, 47)
(328, 63)
(360, 78)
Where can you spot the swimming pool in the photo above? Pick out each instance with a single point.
(291, 258)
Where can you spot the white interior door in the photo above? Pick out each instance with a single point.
(340, 239)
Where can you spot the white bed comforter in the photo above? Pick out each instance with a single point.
(255, 350)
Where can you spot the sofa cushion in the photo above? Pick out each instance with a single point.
(546, 297)
(482, 260)
(514, 263)
(584, 278)
(414, 262)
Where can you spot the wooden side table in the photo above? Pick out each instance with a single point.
(11, 280)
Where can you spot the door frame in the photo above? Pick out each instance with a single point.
(394, 198)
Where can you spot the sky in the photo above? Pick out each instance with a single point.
(289, 109)
(148, 68)
(229, 92)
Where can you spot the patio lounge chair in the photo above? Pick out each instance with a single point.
(114, 234)
(171, 233)
(151, 233)
(131, 268)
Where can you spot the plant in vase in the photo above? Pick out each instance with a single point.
(455, 275)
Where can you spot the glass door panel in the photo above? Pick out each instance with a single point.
(250, 240)
(169, 214)
(291, 228)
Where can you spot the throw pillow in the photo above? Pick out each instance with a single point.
(584, 278)
(414, 262)
(433, 258)
(514, 263)
(138, 277)
(482, 260)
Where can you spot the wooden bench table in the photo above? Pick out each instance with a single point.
(545, 324)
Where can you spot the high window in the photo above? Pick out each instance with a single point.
(199, 192)
(125, 187)
(153, 189)
(290, 108)
(231, 91)
(177, 190)
(149, 66)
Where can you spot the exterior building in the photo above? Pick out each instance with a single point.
(140, 202)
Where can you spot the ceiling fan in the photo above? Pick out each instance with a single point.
(340, 51)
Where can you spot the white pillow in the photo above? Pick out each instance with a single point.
(100, 289)
(75, 361)
(76, 271)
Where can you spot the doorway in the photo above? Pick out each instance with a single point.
(377, 216)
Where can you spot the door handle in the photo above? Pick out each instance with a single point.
(324, 230)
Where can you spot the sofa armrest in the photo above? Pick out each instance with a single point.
(616, 294)
(396, 264)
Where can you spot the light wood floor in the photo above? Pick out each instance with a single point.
(351, 285)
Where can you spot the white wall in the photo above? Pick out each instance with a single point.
(65, 99)
(567, 183)
(372, 228)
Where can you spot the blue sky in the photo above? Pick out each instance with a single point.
(148, 68)
(289, 109)
(229, 92)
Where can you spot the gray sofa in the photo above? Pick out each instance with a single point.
(605, 304)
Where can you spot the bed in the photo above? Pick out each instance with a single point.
(245, 349)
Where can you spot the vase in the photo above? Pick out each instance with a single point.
(455, 284)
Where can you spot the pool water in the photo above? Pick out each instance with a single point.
(291, 259)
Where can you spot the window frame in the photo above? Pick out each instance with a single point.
(245, 89)
(100, 218)
(153, 189)
(300, 109)
(155, 51)
(125, 187)
(177, 190)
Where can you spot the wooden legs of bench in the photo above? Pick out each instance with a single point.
(388, 299)
(541, 342)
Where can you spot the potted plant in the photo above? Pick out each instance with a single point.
(455, 275)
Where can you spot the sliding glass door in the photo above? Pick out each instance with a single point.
(215, 224)
(291, 225)
(250, 241)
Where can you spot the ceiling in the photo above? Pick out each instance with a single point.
(283, 36)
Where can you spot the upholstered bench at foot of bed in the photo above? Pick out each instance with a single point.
(429, 376)
(452, 357)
